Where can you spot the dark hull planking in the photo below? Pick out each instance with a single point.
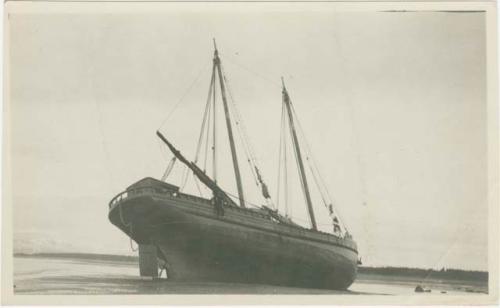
(238, 246)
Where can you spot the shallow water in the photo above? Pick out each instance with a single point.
(44, 275)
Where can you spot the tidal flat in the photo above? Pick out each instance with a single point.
(80, 274)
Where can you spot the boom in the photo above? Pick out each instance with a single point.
(205, 179)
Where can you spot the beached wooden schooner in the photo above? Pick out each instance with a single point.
(221, 239)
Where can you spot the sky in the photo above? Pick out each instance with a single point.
(393, 106)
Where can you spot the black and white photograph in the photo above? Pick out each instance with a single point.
(250, 148)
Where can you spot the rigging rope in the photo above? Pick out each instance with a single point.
(169, 169)
(127, 225)
(183, 96)
(185, 173)
(297, 161)
(204, 132)
(214, 130)
(198, 186)
(278, 185)
(283, 154)
(312, 165)
(247, 146)
(354, 128)
(241, 129)
(288, 207)
(258, 207)
(208, 136)
(131, 241)
(207, 112)
(184, 179)
(320, 183)
(246, 202)
(268, 80)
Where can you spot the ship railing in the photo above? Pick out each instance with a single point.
(152, 190)
(118, 198)
(194, 198)
(322, 235)
(133, 192)
(162, 193)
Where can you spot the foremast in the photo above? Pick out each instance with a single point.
(296, 147)
(234, 155)
(197, 171)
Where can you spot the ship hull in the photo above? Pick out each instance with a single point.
(199, 245)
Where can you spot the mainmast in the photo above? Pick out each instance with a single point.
(302, 174)
(229, 128)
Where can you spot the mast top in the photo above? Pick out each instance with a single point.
(216, 52)
(285, 92)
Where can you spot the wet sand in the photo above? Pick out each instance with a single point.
(73, 275)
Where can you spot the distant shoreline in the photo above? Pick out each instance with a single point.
(426, 274)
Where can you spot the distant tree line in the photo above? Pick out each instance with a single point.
(444, 273)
